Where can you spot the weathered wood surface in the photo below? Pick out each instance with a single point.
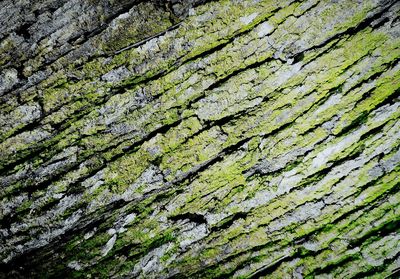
(199, 139)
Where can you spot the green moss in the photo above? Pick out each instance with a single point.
(387, 88)
(24, 206)
(160, 240)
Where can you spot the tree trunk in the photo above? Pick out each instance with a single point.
(199, 139)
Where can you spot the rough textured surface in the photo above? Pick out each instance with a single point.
(200, 139)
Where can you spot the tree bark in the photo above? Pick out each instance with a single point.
(199, 139)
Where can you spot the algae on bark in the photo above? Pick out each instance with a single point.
(199, 139)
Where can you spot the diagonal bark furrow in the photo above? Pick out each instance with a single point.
(300, 252)
(352, 30)
(395, 191)
(79, 39)
(250, 67)
(164, 139)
